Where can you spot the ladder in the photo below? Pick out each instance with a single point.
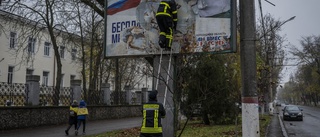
(168, 74)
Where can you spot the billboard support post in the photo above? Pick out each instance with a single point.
(250, 108)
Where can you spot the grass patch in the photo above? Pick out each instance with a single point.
(211, 131)
(196, 129)
(132, 132)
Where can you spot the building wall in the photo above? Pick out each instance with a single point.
(39, 62)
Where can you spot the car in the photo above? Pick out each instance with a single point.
(278, 104)
(292, 112)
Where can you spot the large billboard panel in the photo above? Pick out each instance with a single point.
(203, 26)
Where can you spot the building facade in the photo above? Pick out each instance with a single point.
(25, 50)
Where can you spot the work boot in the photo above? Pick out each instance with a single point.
(66, 131)
(162, 44)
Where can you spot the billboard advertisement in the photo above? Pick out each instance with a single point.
(132, 28)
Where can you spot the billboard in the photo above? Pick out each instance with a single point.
(203, 26)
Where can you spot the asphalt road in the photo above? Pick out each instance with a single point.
(92, 127)
(309, 127)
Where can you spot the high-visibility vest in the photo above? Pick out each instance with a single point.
(73, 111)
(151, 119)
(82, 111)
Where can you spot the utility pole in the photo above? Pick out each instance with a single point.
(250, 111)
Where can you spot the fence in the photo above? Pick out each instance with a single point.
(17, 94)
(47, 96)
(10, 93)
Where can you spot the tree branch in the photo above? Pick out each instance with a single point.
(94, 6)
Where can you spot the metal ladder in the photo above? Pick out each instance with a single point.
(167, 78)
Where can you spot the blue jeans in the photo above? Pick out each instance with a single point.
(84, 124)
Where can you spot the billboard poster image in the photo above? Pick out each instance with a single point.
(202, 26)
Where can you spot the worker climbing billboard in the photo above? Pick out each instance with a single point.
(140, 28)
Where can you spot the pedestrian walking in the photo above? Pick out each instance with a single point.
(167, 21)
(72, 116)
(152, 114)
(82, 113)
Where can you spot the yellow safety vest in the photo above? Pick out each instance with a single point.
(151, 112)
(82, 111)
(75, 109)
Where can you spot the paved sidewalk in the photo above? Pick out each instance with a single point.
(275, 128)
(92, 127)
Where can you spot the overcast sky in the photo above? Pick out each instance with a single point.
(306, 23)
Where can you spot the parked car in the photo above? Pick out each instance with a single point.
(292, 112)
(278, 104)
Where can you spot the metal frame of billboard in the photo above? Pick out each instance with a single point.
(136, 26)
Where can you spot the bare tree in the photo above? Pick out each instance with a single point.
(310, 52)
(270, 55)
(45, 15)
(309, 71)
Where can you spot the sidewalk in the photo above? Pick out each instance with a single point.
(92, 127)
(275, 128)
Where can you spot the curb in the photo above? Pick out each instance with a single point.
(284, 132)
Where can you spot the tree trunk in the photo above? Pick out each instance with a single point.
(59, 66)
(117, 83)
(205, 117)
(83, 71)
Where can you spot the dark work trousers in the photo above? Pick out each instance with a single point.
(151, 135)
(72, 121)
(165, 24)
(84, 124)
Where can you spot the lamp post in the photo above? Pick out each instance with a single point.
(276, 27)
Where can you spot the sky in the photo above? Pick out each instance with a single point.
(306, 23)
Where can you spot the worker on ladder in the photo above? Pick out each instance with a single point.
(167, 21)
(152, 114)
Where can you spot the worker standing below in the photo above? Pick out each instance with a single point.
(167, 21)
(152, 114)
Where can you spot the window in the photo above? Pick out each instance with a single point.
(31, 45)
(61, 82)
(73, 54)
(62, 48)
(45, 78)
(47, 48)
(72, 77)
(13, 39)
(10, 74)
(29, 72)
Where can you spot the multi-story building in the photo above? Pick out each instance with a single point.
(28, 50)
(23, 51)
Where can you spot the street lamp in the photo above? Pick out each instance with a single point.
(277, 27)
(290, 19)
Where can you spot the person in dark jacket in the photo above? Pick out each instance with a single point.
(152, 114)
(72, 116)
(167, 21)
(82, 113)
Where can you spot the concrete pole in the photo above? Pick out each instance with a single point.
(250, 108)
(168, 121)
(144, 95)
(106, 93)
(76, 89)
(34, 89)
(128, 94)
